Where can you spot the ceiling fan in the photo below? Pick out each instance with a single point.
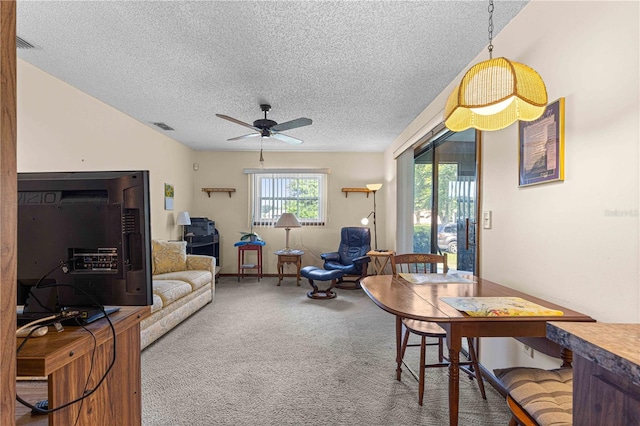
(268, 128)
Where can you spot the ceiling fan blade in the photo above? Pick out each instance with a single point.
(298, 122)
(285, 138)
(233, 120)
(250, 135)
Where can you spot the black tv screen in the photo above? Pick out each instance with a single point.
(87, 232)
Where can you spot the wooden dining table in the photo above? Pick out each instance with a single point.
(422, 301)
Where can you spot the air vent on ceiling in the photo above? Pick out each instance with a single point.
(163, 126)
(23, 44)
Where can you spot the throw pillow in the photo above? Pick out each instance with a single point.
(168, 256)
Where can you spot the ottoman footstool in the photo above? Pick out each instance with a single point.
(313, 273)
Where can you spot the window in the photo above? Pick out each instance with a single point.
(302, 193)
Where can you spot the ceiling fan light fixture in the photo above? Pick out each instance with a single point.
(268, 128)
(495, 93)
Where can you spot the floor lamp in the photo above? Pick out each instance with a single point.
(373, 187)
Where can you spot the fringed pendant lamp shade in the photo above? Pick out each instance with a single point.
(495, 93)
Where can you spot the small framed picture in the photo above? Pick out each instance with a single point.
(541, 147)
(168, 196)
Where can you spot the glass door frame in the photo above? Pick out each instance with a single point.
(438, 136)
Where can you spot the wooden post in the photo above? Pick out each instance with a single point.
(8, 211)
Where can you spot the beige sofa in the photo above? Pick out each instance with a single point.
(182, 284)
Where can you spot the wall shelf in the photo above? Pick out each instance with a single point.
(210, 190)
(348, 190)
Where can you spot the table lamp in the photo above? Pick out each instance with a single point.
(183, 219)
(287, 221)
(373, 187)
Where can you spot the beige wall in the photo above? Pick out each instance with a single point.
(559, 241)
(62, 128)
(225, 169)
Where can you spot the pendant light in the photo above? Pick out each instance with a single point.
(495, 93)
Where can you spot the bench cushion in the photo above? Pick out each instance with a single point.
(545, 394)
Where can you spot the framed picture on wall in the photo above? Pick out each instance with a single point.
(168, 196)
(541, 147)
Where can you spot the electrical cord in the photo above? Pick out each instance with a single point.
(86, 393)
(43, 277)
(91, 364)
(38, 321)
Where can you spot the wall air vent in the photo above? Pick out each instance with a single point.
(163, 126)
(23, 44)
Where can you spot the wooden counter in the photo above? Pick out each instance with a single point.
(606, 379)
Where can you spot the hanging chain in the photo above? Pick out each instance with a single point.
(490, 47)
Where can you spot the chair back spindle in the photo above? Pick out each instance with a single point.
(419, 263)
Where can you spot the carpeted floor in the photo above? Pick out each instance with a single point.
(267, 355)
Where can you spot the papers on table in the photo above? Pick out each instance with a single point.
(498, 307)
(448, 278)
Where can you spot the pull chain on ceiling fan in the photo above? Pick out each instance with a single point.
(268, 128)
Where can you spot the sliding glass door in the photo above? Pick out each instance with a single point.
(445, 198)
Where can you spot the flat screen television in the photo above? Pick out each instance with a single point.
(84, 233)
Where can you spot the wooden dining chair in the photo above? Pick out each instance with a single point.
(418, 263)
(425, 263)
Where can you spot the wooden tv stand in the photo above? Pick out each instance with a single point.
(65, 358)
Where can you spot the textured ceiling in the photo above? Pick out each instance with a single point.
(361, 70)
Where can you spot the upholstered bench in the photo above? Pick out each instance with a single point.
(543, 397)
(313, 273)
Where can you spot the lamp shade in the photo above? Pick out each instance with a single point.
(183, 219)
(287, 220)
(495, 93)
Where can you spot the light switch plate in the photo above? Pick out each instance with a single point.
(486, 220)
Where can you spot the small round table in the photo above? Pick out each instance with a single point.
(289, 256)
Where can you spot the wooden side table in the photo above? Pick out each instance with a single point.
(380, 259)
(289, 256)
(248, 246)
(67, 359)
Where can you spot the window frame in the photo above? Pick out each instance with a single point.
(277, 195)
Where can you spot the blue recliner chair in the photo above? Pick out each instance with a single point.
(351, 257)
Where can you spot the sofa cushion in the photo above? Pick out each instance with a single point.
(199, 262)
(545, 394)
(157, 303)
(170, 290)
(168, 256)
(196, 279)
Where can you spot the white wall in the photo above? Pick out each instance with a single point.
(63, 129)
(559, 241)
